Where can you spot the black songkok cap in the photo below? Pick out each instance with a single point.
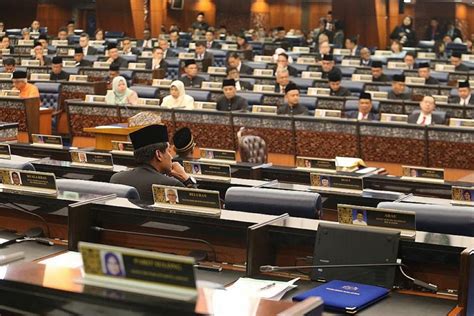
(149, 135)
(291, 86)
(57, 60)
(376, 64)
(228, 82)
(111, 46)
(456, 54)
(78, 50)
(365, 95)
(188, 62)
(334, 76)
(424, 65)
(464, 84)
(399, 78)
(328, 57)
(19, 74)
(183, 140)
(114, 67)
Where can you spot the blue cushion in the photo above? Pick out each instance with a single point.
(252, 98)
(100, 188)
(199, 95)
(441, 76)
(273, 202)
(353, 86)
(309, 102)
(146, 92)
(49, 94)
(12, 164)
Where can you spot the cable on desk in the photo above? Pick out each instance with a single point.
(213, 250)
(24, 210)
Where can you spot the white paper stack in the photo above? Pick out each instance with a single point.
(268, 289)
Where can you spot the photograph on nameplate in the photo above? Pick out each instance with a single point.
(28, 182)
(47, 140)
(202, 170)
(336, 183)
(229, 156)
(462, 195)
(309, 163)
(422, 174)
(91, 159)
(122, 148)
(15, 178)
(186, 200)
(112, 263)
(5, 151)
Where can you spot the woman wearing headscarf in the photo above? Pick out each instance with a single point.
(178, 97)
(120, 93)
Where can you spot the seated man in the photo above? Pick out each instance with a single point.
(127, 49)
(210, 42)
(27, 90)
(5, 43)
(9, 65)
(235, 62)
(337, 90)
(233, 73)
(39, 55)
(282, 64)
(376, 69)
(365, 109)
(165, 46)
(230, 101)
(190, 77)
(292, 104)
(464, 91)
(62, 34)
(84, 45)
(409, 59)
(154, 163)
(157, 61)
(351, 44)
(426, 115)
(183, 144)
(114, 57)
(147, 42)
(282, 80)
(203, 55)
(365, 57)
(456, 62)
(328, 65)
(114, 71)
(424, 72)
(398, 89)
(175, 41)
(79, 58)
(57, 72)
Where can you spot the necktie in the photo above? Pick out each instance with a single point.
(208, 44)
(423, 121)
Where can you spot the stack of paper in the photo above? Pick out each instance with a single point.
(268, 289)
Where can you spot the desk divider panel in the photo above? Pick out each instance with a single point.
(326, 138)
(411, 106)
(6, 85)
(277, 131)
(453, 110)
(145, 77)
(392, 106)
(79, 90)
(331, 103)
(451, 147)
(83, 114)
(211, 129)
(25, 112)
(393, 142)
(127, 112)
(95, 74)
(273, 99)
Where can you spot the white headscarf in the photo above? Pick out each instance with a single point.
(114, 96)
(182, 101)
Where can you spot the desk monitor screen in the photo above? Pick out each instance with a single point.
(344, 244)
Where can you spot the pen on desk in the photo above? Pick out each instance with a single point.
(5, 259)
(214, 268)
(266, 287)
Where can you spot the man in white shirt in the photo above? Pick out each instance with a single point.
(84, 43)
(282, 80)
(426, 116)
(147, 41)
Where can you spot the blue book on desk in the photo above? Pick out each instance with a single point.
(343, 296)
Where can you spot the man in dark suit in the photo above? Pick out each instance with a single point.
(204, 56)
(376, 68)
(457, 63)
(292, 104)
(426, 115)
(39, 55)
(154, 163)
(175, 41)
(210, 42)
(424, 72)
(282, 80)
(164, 45)
(233, 73)
(282, 63)
(79, 58)
(365, 57)
(230, 101)
(433, 31)
(114, 57)
(127, 49)
(200, 23)
(57, 73)
(337, 90)
(191, 78)
(280, 38)
(234, 61)
(365, 109)
(84, 44)
(157, 61)
(464, 94)
(398, 89)
(351, 44)
(409, 59)
(146, 43)
(328, 65)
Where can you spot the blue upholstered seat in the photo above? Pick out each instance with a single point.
(146, 92)
(199, 95)
(49, 94)
(12, 164)
(100, 188)
(252, 98)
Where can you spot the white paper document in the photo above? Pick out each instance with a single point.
(268, 289)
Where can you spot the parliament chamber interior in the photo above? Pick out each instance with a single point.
(251, 157)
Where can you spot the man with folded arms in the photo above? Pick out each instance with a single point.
(230, 101)
(191, 78)
(157, 61)
(464, 94)
(426, 115)
(424, 72)
(376, 70)
(57, 72)
(337, 90)
(152, 153)
(27, 90)
(398, 89)
(292, 105)
(114, 57)
(365, 109)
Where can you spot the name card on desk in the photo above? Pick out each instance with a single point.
(205, 105)
(404, 221)
(5, 151)
(211, 85)
(378, 95)
(306, 61)
(52, 141)
(263, 72)
(139, 271)
(6, 76)
(59, 43)
(425, 55)
(263, 59)
(147, 101)
(78, 78)
(186, 56)
(336, 183)
(122, 148)
(350, 62)
(5, 51)
(147, 54)
(455, 122)
(162, 83)
(207, 170)
(440, 98)
(264, 109)
(69, 64)
(445, 68)
(362, 77)
(28, 182)
(422, 174)
(462, 195)
(26, 42)
(229, 47)
(216, 70)
(327, 113)
(311, 75)
(467, 57)
(264, 88)
(10, 93)
(415, 81)
(384, 53)
(95, 98)
(101, 65)
(227, 156)
(30, 63)
(319, 91)
(40, 77)
(187, 201)
(97, 43)
(192, 46)
(92, 159)
(313, 164)
(32, 52)
(389, 117)
(397, 65)
(301, 50)
(342, 51)
(141, 66)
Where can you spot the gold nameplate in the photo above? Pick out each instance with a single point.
(311, 75)
(263, 72)
(306, 61)
(51, 141)
(262, 88)
(78, 78)
(327, 113)
(336, 183)
(218, 155)
(440, 98)
(350, 62)
(40, 77)
(59, 43)
(69, 64)
(101, 65)
(205, 105)
(342, 51)
(397, 65)
(30, 63)
(6, 76)
(301, 50)
(229, 47)
(26, 42)
(147, 54)
(122, 148)
(445, 68)
(10, 93)
(264, 109)
(91, 160)
(316, 164)
(28, 182)
(467, 57)
(423, 174)
(425, 55)
(217, 70)
(5, 51)
(263, 59)
(415, 81)
(162, 83)
(378, 95)
(462, 195)
(455, 122)
(211, 85)
(138, 66)
(319, 91)
(362, 77)
(146, 101)
(383, 53)
(95, 98)
(201, 170)
(389, 117)
(186, 55)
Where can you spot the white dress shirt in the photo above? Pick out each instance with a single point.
(427, 119)
(361, 116)
(85, 50)
(465, 101)
(147, 44)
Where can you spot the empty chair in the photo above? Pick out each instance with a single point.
(252, 98)
(49, 94)
(252, 148)
(309, 102)
(199, 95)
(273, 202)
(442, 219)
(99, 188)
(146, 92)
(355, 87)
(303, 84)
(441, 76)
(12, 164)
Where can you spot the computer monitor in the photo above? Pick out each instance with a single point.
(349, 244)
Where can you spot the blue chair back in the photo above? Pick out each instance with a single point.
(146, 92)
(49, 94)
(199, 95)
(251, 97)
(100, 188)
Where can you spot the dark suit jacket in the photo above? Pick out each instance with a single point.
(382, 78)
(297, 110)
(334, 69)
(61, 76)
(435, 119)
(355, 115)
(163, 64)
(457, 99)
(438, 34)
(402, 96)
(92, 50)
(47, 60)
(342, 92)
(142, 178)
(121, 62)
(214, 45)
(180, 43)
(462, 67)
(431, 80)
(237, 103)
(244, 69)
(196, 82)
(277, 87)
(85, 63)
(292, 71)
(244, 85)
(169, 54)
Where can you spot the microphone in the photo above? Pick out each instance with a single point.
(268, 268)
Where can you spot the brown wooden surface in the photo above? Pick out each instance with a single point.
(105, 136)
(45, 121)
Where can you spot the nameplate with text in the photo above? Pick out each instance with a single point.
(327, 113)
(229, 156)
(462, 195)
(207, 170)
(264, 109)
(122, 148)
(309, 163)
(92, 159)
(423, 174)
(78, 78)
(455, 122)
(28, 182)
(336, 183)
(47, 140)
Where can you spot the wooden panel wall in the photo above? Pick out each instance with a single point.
(113, 15)
(185, 18)
(317, 11)
(425, 10)
(285, 13)
(234, 17)
(18, 14)
(54, 15)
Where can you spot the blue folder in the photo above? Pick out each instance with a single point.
(343, 296)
